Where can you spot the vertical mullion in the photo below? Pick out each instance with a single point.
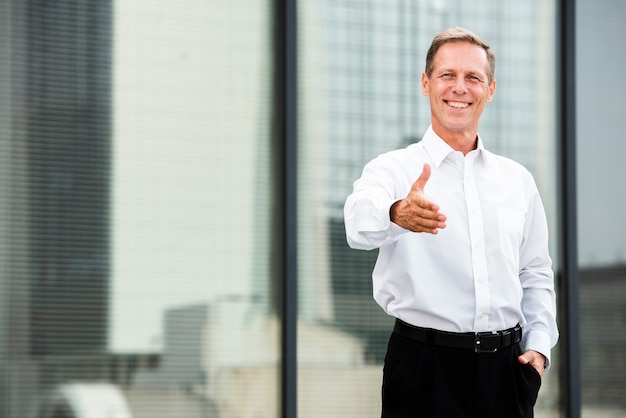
(569, 305)
(287, 112)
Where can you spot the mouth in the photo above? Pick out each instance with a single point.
(457, 105)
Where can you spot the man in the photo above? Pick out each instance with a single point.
(463, 261)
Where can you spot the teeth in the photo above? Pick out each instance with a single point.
(458, 105)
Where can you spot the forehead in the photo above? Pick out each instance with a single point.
(461, 56)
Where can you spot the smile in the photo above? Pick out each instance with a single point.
(457, 105)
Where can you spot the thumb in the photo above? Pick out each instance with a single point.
(420, 183)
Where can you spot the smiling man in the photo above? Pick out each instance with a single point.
(463, 262)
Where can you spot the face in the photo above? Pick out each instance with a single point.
(458, 89)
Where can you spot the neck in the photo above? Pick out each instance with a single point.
(463, 141)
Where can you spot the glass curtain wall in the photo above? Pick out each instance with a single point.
(360, 65)
(600, 65)
(137, 209)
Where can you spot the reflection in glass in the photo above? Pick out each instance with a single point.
(139, 223)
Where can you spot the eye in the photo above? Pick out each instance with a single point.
(474, 78)
(447, 76)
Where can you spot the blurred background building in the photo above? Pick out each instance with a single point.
(145, 214)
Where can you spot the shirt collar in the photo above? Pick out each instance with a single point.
(438, 149)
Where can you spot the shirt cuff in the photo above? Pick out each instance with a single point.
(396, 230)
(538, 340)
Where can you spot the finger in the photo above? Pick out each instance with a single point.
(426, 209)
(420, 183)
(426, 228)
(428, 224)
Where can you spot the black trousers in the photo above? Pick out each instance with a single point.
(425, 381)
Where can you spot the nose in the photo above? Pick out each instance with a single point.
(459, 86)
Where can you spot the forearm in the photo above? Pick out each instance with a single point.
(367, 220)
(540, 330)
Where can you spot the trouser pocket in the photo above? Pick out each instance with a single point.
(528, 382)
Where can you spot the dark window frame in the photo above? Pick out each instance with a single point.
(286, 90)
(568, 306)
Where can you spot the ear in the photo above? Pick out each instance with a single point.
(492, 89)
(425, 85)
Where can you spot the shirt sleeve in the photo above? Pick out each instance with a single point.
(537, 280)
(366, 211)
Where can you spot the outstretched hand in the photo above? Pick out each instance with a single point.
(415, 212)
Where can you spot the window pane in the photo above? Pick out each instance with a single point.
(360, 68)
(137, 214)
(601, 205)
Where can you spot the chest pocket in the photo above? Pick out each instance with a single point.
(510, 232)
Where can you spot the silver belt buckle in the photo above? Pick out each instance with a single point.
(477, 341)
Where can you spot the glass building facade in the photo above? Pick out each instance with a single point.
(360, 95)
(172, 240)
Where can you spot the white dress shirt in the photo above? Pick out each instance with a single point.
(488, 270)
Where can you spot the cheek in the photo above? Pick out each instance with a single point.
(484, 94)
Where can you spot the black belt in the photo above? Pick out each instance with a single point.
(479, 342)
